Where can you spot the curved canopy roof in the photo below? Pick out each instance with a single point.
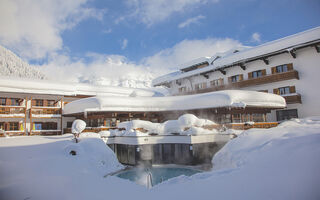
(226, 98)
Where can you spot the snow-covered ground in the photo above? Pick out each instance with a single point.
(277, 163)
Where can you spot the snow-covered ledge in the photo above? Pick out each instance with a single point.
(226, 98)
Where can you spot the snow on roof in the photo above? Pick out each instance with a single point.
(226, 98)
(9, 84)
(195, 62)
(286, 43)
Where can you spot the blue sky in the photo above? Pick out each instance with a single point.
(139, 35)
(229, 18)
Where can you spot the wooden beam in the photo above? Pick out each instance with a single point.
(293, 53)
(266, 61)
(317, 48)
(25, 116)
(243, 67)
(223, 71)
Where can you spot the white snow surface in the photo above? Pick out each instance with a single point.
(277, 163)
(286, 43)
(13, 66)
(226, 98)
(78, 126)
(9, 84)
(186, 124)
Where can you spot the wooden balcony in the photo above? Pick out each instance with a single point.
(296, 98)
(271, 78)
(45, 112)
(12, 111)
(244, 126)
(13, 133)
(45, 132)
(90, 129)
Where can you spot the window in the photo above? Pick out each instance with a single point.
(39, 102)
(257, 74)
(257, 117)
(1, 125)
(15, 102)
(235, 78)
(182, 89)
(45, 126)
(2, 101)
(14, 126)
(69, 124)
(236, 118)
(284, 90)
(286, 114)
(200, 86)
(51, 103)
(281, 68)
(216, 82)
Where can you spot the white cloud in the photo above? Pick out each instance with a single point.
(256, 37)
(187, 50)
(33, 28)
(124, 44)
(193, 20)
(153, 11)
(118, 71)
(107, 31)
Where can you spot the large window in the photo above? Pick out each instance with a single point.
(45, 126)
(287, 114)
(281, 68)
(284, 90)
(51, 103)
(236, 118)
(39, 102)
(258, 117)
(15, 102)
(200, 86)
(182, 89)
(235, 78)
(2, 101)
(14, 126)
(257, 74)
(216, 82)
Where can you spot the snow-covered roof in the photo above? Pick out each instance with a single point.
(8, 84)
(285, 44)
(197, 61)
(225, 98)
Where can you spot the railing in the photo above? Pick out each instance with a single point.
(245, 126)
(90, 129)
(296, 98)
(12, 133)
(45, 132)
(12, 110)
(293, 74)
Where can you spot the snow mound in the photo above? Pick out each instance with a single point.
(78, 126)
(186, 124)
(13, 66)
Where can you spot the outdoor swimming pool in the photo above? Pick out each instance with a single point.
(154, 175)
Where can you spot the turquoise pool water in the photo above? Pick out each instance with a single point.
(158, 174)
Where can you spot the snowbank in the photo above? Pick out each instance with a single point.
(226, 98)
(186, 124)
(277, 163)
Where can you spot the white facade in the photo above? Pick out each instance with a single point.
(306, 63)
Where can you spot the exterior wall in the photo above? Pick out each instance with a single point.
(33, 114)
(306, 63)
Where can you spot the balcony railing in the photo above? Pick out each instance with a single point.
(45, 132)
(45, 112)
(293, 74)
(13, 111)
(12, 133)
(296, 98)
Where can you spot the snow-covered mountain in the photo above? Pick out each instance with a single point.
(13, 66)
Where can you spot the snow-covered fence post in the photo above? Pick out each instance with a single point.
(78, 126)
